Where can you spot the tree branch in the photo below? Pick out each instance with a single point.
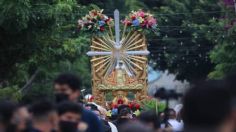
(24, 89)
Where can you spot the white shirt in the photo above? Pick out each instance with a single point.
(176, 125)
(113, 127)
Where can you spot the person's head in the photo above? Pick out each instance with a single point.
(135, 127)
(44, 115)
(91, 106)
(161, 116)
(171, 114)
(230, 80)
(94, 109)
(7, 110)
(122, 107)
(207, 106)
(67, 87)
(125, 113)
(22, 118)
(150, 118)
(69, 116)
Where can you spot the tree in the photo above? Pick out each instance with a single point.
(43, 37)
(183, 46)
(224, 53)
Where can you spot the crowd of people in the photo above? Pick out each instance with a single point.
(208, 106)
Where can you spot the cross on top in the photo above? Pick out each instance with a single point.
(119, 55)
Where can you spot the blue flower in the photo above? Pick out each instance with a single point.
(135, 22)
(101, 23)
(114, 111)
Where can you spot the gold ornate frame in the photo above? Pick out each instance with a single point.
(104, 81)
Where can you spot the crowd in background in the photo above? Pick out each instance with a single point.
(208, 106)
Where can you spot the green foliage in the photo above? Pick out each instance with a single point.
(14, 14)
(10, 93)
(41, 35)
(153, 104)
(183, 46)
(224, 52)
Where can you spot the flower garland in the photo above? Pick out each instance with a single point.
(141, 20)
(95, 22)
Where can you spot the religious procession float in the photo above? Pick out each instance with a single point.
(118, 55)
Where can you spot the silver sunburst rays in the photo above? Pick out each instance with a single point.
(125, 54)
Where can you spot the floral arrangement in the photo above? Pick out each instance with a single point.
(133, 105)
(95, 22)
(141, 21)
(153, 104)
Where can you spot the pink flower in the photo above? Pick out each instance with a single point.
(144, 23)
(141, 13)
(152, 21)
(127, 22)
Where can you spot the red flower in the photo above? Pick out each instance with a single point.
(129, 23)
(107, 20)
(102, 29)
(120, 101)
(95, 13)
(137, 106)
(133, 17)
(130, 106)
(114, 106)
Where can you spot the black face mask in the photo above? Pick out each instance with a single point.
(11, 128)
(28, 126)
(68, 126)
(53, 130)
(60, 97)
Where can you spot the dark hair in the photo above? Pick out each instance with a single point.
(170, 113)
(135, 127)
(150, 117)
(124, 112)
(230, 80)
(206, 105)
(121, 107)
(93, 107)
(68, 106)
(7, 109)
(42, 108)
(69, 79)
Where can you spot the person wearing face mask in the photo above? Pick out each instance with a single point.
(95, 110)
(69, 116)
(67, 88)
(44, 117)
(7, 110)
(21, 118)
(101, 113)
(124, 116)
